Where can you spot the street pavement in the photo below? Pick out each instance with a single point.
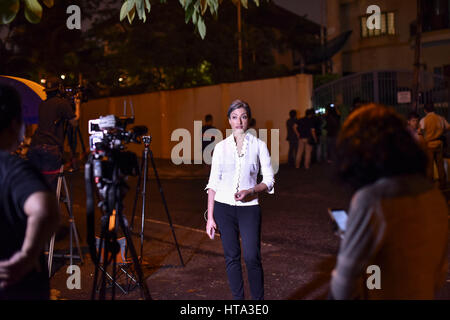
(299, 246)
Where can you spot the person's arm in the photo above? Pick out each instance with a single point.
(446, 125)
(297, 128)
(297, 133)
(422, 127)
(363, 235)
(42, 215)
(211, 223)
(246, 195)
(214, 179)
(268, 180)
(313, 133)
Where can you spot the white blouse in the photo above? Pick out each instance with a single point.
(231, 173)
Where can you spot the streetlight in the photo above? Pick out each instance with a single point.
(63, 76)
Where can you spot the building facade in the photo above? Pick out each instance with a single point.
(392, 47)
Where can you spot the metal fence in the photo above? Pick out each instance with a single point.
(385, 87)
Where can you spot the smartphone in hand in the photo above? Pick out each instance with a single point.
(339, 218)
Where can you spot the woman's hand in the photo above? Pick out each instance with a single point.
(211, 228)
(243, 195)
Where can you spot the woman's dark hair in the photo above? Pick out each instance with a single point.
(237, 104)
(374, 142)
(293, 113)
(10, 106)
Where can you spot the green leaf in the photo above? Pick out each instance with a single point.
(257, 2)
(189, 12)
(131, 4)
(33, 11)
(124, 10)
(245, 3)
(49, 3)
(201, 27)
(131, 15)
(148, 5)
(213, 6)
(8, 10)
(195, 17)
(139, 8)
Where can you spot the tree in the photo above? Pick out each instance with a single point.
(164, 53)
(194, 10)
(47, 47)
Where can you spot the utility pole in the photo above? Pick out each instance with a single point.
(417, 54)
(239, 35)
(322, 33)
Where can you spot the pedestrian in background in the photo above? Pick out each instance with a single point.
(333, 124)
(433, 128)
(292, 137)
(307, 138)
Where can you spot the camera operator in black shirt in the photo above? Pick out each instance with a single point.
(47, 145)
(28, 212)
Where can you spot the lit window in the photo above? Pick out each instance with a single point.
(387, 26)
(391, 23)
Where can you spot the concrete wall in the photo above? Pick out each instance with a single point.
(165, 111)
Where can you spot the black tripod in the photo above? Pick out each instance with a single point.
(144, 171)
(105, 250)
(72, 139)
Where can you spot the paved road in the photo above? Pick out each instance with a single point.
(298, 244)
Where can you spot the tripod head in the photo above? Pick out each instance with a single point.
(146, 140)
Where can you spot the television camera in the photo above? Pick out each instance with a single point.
(107, 167)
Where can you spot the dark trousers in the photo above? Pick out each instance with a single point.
(245, 221)
(436, 155)
(293, 146)
(331, 146)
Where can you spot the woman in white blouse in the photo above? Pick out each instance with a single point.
(233, 205)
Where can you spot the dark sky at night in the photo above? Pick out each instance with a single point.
(302, 7)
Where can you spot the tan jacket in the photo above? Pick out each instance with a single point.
(433, 126)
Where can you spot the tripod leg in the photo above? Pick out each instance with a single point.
(83, 148)
(144, 199)
(139, 273)
(50, 255)
(52, 241)
(165, 206)
(73, 228)
(138, 191)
